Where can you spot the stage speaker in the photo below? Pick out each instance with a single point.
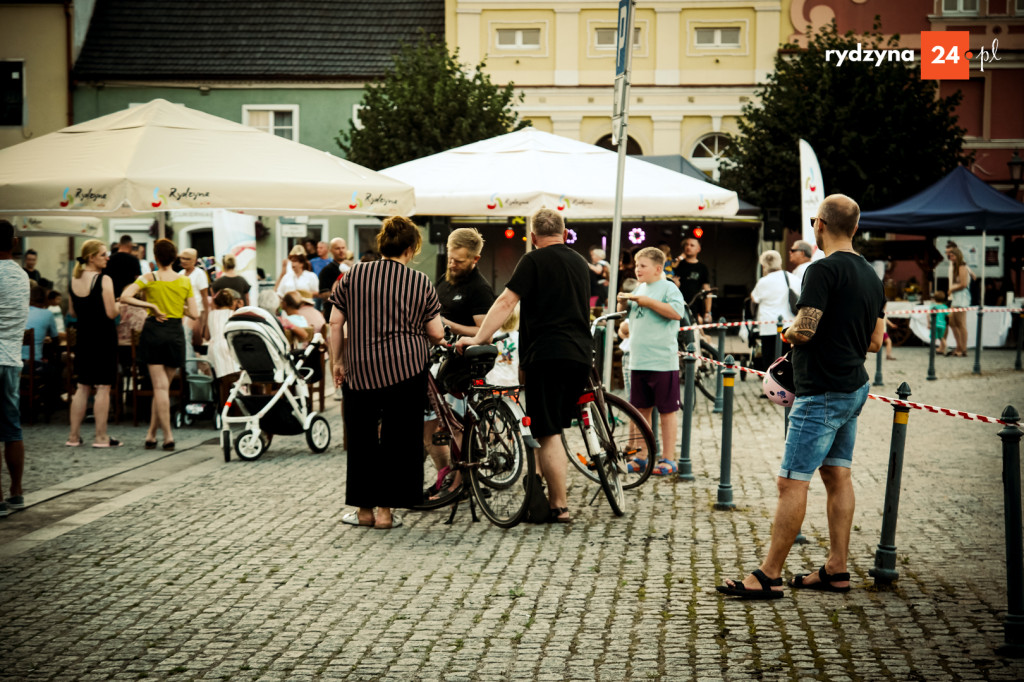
(773, 225)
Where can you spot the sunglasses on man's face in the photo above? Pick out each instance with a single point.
(819, 220)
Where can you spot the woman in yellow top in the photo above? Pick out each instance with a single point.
(162, 343)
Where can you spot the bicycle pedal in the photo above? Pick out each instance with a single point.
(584, 461)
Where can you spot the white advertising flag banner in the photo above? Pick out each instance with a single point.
(235, 234)
(812, 191)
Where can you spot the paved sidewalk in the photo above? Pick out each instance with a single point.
(243, 571)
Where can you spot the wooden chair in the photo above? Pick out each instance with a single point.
(137, 377)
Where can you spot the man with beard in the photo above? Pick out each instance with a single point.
(465, 298)
(464, 294)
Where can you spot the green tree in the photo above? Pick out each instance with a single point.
(426, 103)
(881, 133)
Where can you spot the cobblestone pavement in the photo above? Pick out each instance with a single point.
(243, 571)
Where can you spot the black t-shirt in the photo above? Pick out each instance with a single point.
(848, 292)
(460, 302)
(123, 269)
(554, 314)
(692, 278)
(238, 283)
(328, 276)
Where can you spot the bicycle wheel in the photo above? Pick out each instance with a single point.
(437, 490)
(574, 440)
(705, 374)
(632, 439)
(500, 465)
(610, 468)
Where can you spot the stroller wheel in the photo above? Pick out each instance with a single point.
(177, 420)
(249, 446)
(216, 421)
(318, 436)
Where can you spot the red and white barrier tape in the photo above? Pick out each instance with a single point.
(895, 313)
(892, 401)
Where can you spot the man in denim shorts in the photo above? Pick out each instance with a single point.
(13, 316)
(840, 319)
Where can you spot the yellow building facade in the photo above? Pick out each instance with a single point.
(695, 65)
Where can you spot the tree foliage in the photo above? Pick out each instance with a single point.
(881, 133)
(426, 103)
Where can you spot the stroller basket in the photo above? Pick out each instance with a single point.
(279, 420)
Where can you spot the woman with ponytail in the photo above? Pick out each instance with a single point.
(92, 302)
(392, 313)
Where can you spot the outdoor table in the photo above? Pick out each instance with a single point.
(995, 328)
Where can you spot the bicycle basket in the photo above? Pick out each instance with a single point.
(457, 372)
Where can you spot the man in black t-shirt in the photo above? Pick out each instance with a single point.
(692, 276)
(122, 266)
(464, 294)
(840, 319)
(552, 286)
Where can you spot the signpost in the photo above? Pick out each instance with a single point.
(620, 122)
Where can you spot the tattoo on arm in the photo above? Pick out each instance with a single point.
(806, 323)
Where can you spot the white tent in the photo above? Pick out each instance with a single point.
(517, 173)
(165, 157)
(55, 226)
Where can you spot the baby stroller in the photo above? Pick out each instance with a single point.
(201, 402)
(257, 341)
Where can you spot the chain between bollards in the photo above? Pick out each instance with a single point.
(933, 337)
(685, 463)
(718, 375)
(977, 343)
(725, 479)
(1013, 626)
(885, 571)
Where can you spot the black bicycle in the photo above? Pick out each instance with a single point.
(490, 464)
(609, 442)
(704, 373)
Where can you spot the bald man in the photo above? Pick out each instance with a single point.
(189, 259)
(331, 272)
(840, 319)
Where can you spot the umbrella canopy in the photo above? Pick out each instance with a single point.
(517, 173)
(959, 203)
(165, 157)
(55, 226)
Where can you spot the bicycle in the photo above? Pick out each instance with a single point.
(704, 373)
(490, 461)
(609, 437)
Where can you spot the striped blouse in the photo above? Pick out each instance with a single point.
(387, 306)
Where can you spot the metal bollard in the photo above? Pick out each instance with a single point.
(685, 464)
(977, 343)
(778, 340)
(725, 479)
(933, 337)
(885, 571)
(718, 379)
(1013, 626)
(878, 369)
(1020, 340)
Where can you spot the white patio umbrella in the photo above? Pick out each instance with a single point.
(56, 226)
(165, 157)
(517, 173)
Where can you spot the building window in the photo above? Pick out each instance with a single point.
(12, 93)
(1020, 8)
(518, 37)
(717, 37)
(604, 38)
(963, 6)
(280, 119)
(708, 153)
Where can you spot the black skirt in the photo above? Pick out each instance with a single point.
(162, 343)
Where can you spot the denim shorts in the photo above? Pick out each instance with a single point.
(822, 432)
(10, 404)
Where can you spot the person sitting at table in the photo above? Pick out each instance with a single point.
(293, 304)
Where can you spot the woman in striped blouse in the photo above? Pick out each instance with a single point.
(392, 313)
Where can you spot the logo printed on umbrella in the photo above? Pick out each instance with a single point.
(703, 203)
(495, 202)
(356, 201)
(67, 200)
(158, 199)
(563, 203)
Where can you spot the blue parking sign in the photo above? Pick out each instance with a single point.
(622, 36)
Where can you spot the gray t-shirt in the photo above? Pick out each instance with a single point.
(13, 312)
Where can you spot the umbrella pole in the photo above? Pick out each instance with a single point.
(529, 231)
(613, 262)
(161, 225)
